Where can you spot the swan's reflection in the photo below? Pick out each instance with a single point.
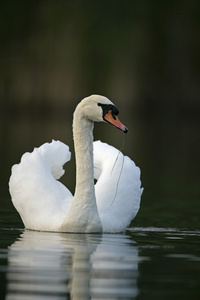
(72, 266)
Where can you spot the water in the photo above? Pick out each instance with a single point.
(144, 56)
(157, 258)
(142, 263)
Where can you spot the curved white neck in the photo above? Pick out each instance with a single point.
(83, 213)
(83, 144)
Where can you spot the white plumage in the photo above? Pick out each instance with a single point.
(118, 189)
(46, 204)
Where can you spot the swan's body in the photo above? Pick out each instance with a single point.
(45, 204)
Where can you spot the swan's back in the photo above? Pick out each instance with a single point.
(118, 189)
(40, 199)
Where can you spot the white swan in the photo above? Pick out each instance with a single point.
(46, 204)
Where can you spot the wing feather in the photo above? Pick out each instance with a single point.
(41, 200)
(118, 188)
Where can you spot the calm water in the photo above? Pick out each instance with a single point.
(143, 55)
(143, 263)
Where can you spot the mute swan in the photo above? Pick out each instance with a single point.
(46, 204)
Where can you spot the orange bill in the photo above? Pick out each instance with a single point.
(113, 119)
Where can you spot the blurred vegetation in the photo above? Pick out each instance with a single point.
(143, 55)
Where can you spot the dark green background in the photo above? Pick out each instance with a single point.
(143, 55)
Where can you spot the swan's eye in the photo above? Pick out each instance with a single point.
(113, 115)
(115, 110)
(109, 107)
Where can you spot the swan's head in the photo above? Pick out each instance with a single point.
(100, 109)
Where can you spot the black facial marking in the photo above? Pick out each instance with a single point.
(107, 107)
(114, 111)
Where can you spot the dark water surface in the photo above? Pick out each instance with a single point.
(143, 263)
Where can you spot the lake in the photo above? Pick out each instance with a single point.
(142, 263)
(144, 56)
(158, 257)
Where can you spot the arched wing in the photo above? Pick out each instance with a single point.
(118, 188)
(41, 200)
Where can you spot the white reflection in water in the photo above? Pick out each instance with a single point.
(72, 266)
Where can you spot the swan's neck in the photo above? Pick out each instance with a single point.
(83, 214)
(83, 144)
